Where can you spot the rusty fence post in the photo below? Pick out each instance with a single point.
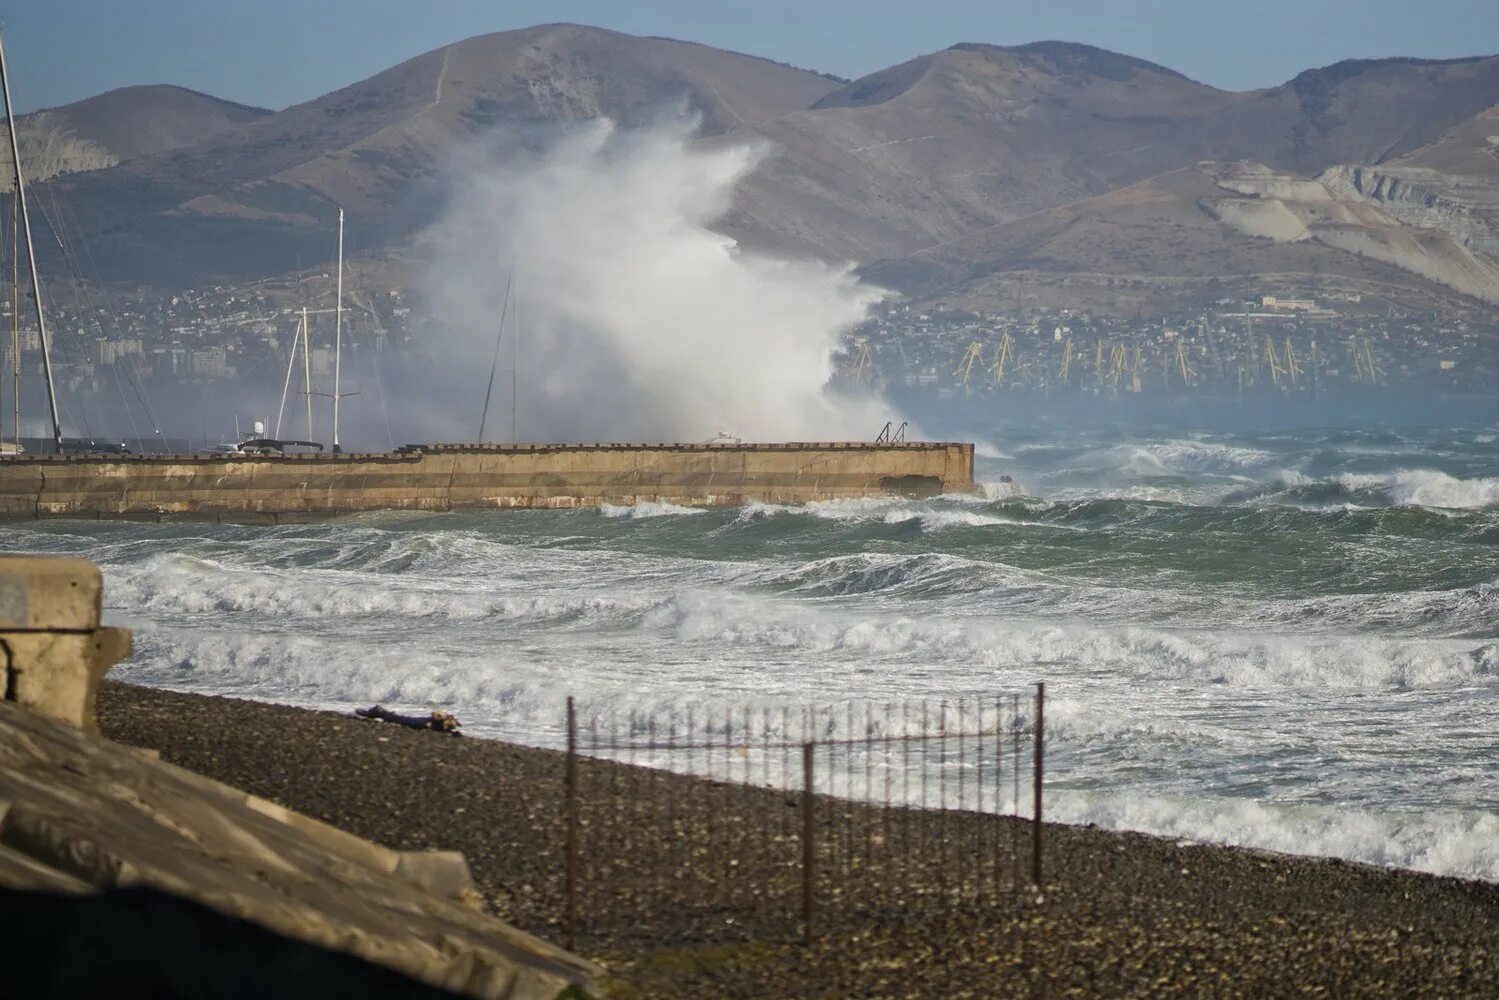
(809, 847)
(572, 823)
(1040, 749)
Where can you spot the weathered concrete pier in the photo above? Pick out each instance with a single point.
(455, 477)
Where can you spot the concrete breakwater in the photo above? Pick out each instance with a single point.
(454, 477)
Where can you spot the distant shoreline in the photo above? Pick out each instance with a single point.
(1119, 912)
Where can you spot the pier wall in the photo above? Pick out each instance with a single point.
(453, 477)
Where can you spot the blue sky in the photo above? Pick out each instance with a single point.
(279, 52)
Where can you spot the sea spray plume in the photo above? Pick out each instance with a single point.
(637, 321)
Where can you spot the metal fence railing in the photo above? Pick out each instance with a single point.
(806, 819)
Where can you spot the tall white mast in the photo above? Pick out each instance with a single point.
(15, 321)
(36, 285)
(514, 362)
(291, 365)
(307, 372)
(338, 330)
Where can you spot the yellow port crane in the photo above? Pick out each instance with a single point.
(1276, 371)
(859, 368)
(1188, 373)
(1003, 355)
(972, 356)
(1292, 368)
(1134, 372)
(1364, 367)
(1118, 358)
(1066, 362)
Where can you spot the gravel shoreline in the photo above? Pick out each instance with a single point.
(1121, 914)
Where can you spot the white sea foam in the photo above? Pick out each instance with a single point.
(1002, 490)
(1429, 488)
(1327, 686)
(648, 509)
(1446, 842)
(1425, 488)
(626, 285)
(1207, 456)
(177, 585)
(508, 694)
(1133, 461)
(972, 646)
(1171, 458)
(989, 450)
(936, 520)
(886, 511)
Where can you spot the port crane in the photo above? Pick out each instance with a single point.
(1364, 367)
(858, 369)
(974, 355)
(1276, 369)
(1118, 358)
(1187, 371)
(1292, 368)
(1004, 355)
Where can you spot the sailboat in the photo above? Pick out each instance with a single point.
(257, 442)
(36, 285)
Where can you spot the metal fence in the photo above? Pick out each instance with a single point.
(806, 819)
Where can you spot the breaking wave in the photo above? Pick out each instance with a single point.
(1241, 635)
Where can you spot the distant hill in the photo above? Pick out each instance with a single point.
(122, 124)
(976, 135)
(1195, 235)
(255, 200)
(921, 172)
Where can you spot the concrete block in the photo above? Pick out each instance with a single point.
(49, 593)
(53, 650)
(442, 873)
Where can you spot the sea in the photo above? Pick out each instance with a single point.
(1287, 640)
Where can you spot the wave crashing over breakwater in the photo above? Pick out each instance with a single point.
(1285, 642)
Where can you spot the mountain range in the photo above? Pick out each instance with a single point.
(979, 175)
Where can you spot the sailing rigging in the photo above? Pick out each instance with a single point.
(36, 284)
(509, 307)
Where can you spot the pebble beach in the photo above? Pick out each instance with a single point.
(1119, 914)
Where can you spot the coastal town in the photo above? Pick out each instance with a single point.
(1252, 348)
(1247, 348)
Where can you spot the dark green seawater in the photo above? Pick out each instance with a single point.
(1287, 640)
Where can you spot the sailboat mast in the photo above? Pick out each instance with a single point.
(36, 285)
(307, 372)
(494, 362)
(291, 366)
(338, 331)
(15, 321)
(514, 356)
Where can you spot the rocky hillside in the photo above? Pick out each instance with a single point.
(1450, 185)
(905, 171)
(976, 135)
(255, 200)
(120, 125)
(1193, 235)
